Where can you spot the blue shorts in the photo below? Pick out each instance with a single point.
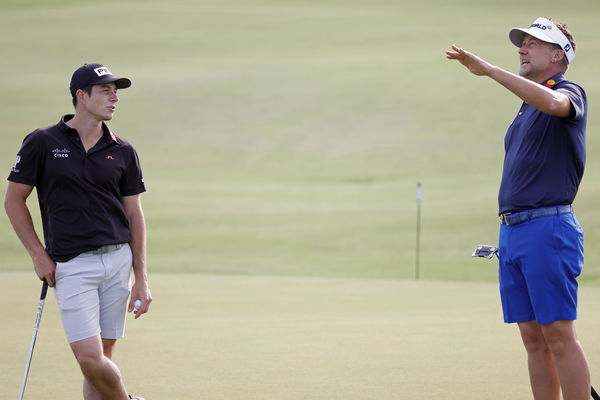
(540, 261)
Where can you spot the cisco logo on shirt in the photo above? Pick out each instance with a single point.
(61, 153)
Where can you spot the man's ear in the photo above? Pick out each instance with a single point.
(558, 55)
(80, 94)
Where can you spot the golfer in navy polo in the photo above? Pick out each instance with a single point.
(88, 183)
(541, 242)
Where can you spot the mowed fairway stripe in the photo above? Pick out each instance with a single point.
(238, 337)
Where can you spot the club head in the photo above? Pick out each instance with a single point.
(485, 251)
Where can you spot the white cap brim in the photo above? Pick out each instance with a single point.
(543, 29)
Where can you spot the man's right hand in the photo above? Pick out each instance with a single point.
(15, 203)
(45, 268)
(473, 63)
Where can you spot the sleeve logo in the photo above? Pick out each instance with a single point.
(14, 166)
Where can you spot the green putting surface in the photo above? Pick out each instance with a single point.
(287, 338)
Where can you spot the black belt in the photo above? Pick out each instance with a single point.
(524, 216)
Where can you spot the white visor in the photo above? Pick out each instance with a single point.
(543, 29)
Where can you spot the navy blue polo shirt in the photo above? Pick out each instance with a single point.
(545, 155)
(79, 193)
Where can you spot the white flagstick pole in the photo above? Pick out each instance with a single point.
(418, 235)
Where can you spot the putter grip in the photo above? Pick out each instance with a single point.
(44, 290)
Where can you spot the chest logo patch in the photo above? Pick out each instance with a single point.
(109, 157)
(61, 153)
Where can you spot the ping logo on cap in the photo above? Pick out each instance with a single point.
(102, 71)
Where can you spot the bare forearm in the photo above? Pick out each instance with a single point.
(544, 99)
(21, 221)
(16, 208)
(137, 227)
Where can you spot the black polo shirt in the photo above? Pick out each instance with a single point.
(79, 193)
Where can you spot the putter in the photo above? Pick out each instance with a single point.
(483, 250)
(488, 252)
(36, 327)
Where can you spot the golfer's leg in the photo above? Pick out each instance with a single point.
(543, 374)
(99, 371)
(571, 363)
(89, 392)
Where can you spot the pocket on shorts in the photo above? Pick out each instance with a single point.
(58, 273)
(62, 270)
(570, 226)
(576, 223)
(66, 286)
(65, 268)
(572, 243)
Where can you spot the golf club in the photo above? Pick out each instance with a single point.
(36, 327)
(595, 395)
(488, 252)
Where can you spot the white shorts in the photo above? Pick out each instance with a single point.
(92, 291)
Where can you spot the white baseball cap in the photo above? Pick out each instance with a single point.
(543, 29)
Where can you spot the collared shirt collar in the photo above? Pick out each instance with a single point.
(107, 135)
(549, 83)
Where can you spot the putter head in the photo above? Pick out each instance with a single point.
(486, 251)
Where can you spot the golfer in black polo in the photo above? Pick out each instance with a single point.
(88, 184)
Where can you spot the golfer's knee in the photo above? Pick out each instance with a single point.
(88, 353)
(89, 362)
(559, 345)
(108, 346)
(533, 341)
(560, 338)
